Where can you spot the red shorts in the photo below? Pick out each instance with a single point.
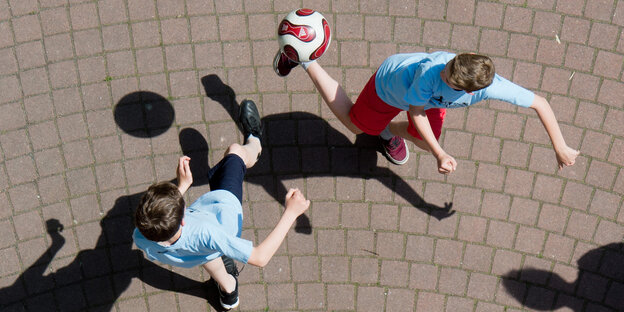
(371, 114)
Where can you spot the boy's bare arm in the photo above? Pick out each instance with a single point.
(296, 205)
(185, 177)
(566, 156)
(446, 163)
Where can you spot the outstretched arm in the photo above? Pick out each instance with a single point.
(566, 156)
(446, 163)
(296, 204)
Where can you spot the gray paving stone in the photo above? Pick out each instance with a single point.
(38, 108)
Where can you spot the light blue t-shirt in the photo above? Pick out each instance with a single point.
(212, 227)
(414, 79)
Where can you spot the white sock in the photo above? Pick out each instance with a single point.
(252, 136)
(386, 134)
(253, 147)
(305, 65)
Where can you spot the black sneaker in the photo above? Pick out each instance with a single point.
(249, 118)
(282, 65)
(229, 300)
(230, 266)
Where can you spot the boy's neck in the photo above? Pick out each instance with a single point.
(173, 239)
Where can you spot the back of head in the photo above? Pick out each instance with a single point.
(471, 72)
(160, 212)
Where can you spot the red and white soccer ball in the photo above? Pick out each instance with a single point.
(304, 35)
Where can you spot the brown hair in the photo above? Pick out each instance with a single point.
(470, 72)
(160, 212)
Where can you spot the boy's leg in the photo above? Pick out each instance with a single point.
(225, 275)
(333, 94)
(331, 91)
(407, 130)
(217, 271)
(370, 111)
(248, 153)
(400, 128)
(229, 173)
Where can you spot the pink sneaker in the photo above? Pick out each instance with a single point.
(396, 150)
(282, 64)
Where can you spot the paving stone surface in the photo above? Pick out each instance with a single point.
(98, 99)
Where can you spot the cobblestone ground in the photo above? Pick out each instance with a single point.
(98, 99)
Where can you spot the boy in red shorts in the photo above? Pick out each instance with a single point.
(424, 85)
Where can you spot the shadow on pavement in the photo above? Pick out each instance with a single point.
(96, 277)
(599, 284)
(144, 114)
(300, 144)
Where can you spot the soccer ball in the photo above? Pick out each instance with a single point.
(303, 35)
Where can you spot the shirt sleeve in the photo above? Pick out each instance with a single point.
(230, 245)
(505, 90)
(143, 244)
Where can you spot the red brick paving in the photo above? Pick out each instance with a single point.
(65, 65)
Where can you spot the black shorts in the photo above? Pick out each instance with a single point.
(228, 175)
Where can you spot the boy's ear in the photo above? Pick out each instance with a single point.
(182, 222)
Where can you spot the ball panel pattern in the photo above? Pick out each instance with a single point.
(303, 35)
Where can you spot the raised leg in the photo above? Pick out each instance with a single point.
(333, 94)
(248, 152)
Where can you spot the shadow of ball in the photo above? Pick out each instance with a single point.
(144, 114)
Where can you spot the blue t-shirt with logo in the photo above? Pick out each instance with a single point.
(212, 228)
(414, 79)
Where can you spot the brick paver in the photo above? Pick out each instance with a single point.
(100, 97)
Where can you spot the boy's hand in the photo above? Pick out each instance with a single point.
(296, 205)
(446, 163)
(566, 157)
(296, 202)
(185, 177)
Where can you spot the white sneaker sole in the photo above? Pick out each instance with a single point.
(229, 307)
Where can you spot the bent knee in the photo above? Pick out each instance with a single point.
(355, 130)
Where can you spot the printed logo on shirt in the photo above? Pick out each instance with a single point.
(440, 102)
